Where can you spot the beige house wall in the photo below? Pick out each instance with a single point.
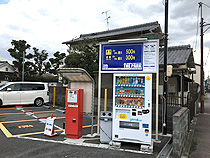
(87, 86)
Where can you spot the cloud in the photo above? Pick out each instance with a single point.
(45, 24)
(182, 8)
(13, 27)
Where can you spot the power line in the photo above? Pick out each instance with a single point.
(206, 5)
(207, 57)
(196, 36)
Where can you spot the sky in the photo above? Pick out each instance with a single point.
(45, 24)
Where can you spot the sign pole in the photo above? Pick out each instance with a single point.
(165, 71)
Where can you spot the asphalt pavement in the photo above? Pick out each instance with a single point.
(22, 135)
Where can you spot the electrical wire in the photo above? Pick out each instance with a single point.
(207, 57)
(206, 5)
(205, 31)
(196, 36)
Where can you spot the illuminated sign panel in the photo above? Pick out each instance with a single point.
(122, 57)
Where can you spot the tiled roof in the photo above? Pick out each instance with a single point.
(2, 63)
(177, 55)
(116, 32)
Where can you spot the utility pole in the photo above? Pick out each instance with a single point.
(165, 71)
(201, 83)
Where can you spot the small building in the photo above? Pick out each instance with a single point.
(182, 60)
(180, 57)
(6, 71)
(148, 30)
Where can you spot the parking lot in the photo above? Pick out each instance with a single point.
(16, 123)
(22, 133)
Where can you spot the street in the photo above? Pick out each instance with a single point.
(22, 135)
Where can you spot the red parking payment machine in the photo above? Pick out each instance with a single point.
(74, 113)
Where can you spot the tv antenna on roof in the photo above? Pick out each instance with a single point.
(107, 18)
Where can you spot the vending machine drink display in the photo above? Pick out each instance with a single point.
(74, 113)
(132, 111)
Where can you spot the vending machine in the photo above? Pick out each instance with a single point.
(132, 109)
(74, 113)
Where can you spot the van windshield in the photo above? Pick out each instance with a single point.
(4, 85)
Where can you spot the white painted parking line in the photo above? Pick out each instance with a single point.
(80, 142)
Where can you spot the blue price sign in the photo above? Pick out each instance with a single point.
(122, 57)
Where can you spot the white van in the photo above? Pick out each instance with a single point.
(19, 93)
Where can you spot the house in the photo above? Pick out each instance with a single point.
(179, 83)
(148, 30)
(6, 71)
(180, 57)
(182, 60)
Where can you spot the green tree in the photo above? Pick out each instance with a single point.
(83, 55)
(39, 59)
(19, 49)
(55, 62)
(47, 67)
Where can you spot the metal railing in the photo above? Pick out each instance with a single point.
(189, 102)
(175, 100)
(191, 105)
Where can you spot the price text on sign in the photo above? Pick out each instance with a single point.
(122, 57)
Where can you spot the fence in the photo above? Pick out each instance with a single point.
(191, 105)
(175, 100)
(190, 101)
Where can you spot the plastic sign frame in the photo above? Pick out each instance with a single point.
(129, 56)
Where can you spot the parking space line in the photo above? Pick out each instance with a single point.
(23, 107)
(27, 134)
(89, 126)
(9, 135)
(11, 113)
(42, 111)
(34, 133)
(26, 120)
(23, 113)
(5, 131)
(19, 121)
(31, 107)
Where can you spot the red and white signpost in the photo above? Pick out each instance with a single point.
(49, 126)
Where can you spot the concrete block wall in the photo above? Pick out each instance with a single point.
(180, 130)
(60, 96)
(170, 112)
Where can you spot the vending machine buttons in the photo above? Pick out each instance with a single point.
(133, 113)
(145, 111)
(145, 125)
(146, 131)
(139, 112)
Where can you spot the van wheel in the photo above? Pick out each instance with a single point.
(0, 102)
(38, 102)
